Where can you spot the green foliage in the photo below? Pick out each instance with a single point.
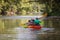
(52, 7)
(56, 8)
(20, 5)
(5, 5)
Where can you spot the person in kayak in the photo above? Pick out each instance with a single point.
(34, 24)
(37, 21)
(30, 23)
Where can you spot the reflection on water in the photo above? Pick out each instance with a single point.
(10, 30)
(19, 33)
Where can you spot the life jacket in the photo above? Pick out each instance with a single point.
(36, 21)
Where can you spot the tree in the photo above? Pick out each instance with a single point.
(52, 7)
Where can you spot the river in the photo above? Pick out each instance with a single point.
(19, 33)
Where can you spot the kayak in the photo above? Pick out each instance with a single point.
(35, 27)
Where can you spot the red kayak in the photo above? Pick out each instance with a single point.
(35, 27)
